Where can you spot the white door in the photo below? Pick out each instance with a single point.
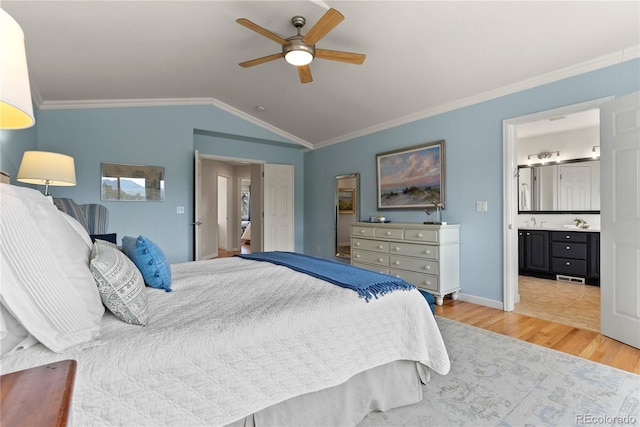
(574, 182)
(620, 219)
(205, 228)
(278, 208)
(223, 212)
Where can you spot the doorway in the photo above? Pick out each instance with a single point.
(512, 203)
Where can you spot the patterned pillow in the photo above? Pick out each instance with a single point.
(119, 282)
(151, 261)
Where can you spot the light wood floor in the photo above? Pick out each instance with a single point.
(569, 303)
(583, 343)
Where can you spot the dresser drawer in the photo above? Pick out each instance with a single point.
(571, 267)
(390, 233)
(370, 245)
(408, 249)
(358, 230)
(421, 235)
(568, 236)
(370, 257)
(414, 264)
(569, 250)
(422, 281)
(381, 269)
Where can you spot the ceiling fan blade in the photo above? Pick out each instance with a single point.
(258, 29)
(327, 23)
(337, 55)
(305, 74)
(258, 61)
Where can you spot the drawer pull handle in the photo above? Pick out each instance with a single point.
(428, 251)
(427, 282)
(357, 243)
(528, 234)
(397, 249)
(397, 262)
(419, 235)
(380, 259)
(357, 255)
(427, 267)
(380, 246)
(361, 231)
(568, 247)
(568, 263)
(387, 233)
(397, 276)
(567, 236)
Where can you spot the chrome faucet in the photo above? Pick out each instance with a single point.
(533, 219)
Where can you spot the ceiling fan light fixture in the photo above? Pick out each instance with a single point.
(298, 54)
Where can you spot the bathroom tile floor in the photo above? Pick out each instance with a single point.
(568, 303)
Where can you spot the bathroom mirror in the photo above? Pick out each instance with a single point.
(572, 186)
(347, 209)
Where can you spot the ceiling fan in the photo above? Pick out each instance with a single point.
(300, 50)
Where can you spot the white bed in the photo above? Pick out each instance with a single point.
(243, 342)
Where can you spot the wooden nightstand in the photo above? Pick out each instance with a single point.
(39, 396)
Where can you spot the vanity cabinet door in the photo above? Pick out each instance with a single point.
(594, 255)
(536, 250)
(520, 250)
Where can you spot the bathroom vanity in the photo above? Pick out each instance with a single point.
(560, 254)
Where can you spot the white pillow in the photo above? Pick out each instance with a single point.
(13, 335)
(82, 232)
(34, 286)
(68, 247)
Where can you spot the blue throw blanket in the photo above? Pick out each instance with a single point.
(366, 283)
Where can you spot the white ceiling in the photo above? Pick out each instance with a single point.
(423, 57)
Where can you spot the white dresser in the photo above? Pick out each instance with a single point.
(425, 255)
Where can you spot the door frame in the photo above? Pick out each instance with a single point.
(510, 192)
(199, 187)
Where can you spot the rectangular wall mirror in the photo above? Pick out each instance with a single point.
(347, 209)
(566, 187)
(124, 182)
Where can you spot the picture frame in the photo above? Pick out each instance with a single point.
(126, 182)
(346, 200)
(412, 178)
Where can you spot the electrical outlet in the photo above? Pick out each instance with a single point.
(180, 209)
(481, 206)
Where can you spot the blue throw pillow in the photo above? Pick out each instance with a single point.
(150, 260)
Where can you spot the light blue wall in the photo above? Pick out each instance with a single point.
(13, 143)
(158, 136)
(473, 138)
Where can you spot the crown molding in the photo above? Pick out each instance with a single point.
(617, 57)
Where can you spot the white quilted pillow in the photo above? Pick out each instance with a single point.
(67, 246)
(34, 285)
(120, 283)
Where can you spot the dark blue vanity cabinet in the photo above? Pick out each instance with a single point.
(557, 254)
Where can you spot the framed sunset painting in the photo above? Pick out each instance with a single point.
(411, 177)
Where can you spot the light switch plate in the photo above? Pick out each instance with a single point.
(180, 209)
(481, 206)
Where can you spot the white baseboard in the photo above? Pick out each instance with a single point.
(481, 301)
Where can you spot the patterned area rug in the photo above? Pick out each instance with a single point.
(500, 381)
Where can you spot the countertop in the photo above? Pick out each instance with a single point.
(560, 228)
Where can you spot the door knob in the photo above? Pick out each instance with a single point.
(197, 223)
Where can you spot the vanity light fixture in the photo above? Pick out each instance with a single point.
(595, 151)
(544, 156)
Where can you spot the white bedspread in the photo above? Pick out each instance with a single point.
(236, 336)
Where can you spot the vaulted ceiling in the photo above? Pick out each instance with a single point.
(423, 57)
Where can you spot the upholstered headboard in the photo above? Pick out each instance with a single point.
(5, 178)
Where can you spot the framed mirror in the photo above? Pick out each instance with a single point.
(572, 186)
(347, 209)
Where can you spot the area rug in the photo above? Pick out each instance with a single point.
(500, 381)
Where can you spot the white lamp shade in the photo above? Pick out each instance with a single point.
(16, 109)
(43, 167)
